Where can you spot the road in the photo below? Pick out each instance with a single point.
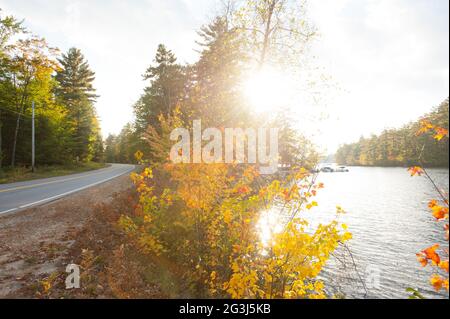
(21, 195)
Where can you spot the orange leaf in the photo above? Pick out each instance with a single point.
(430, 253)
(287, 195)
(243, 189)
(425, 127)
(437, 282)
(440, 212)
(440, 133)
(444, 265)
(415, 170)
(423, 261)
(432, 203)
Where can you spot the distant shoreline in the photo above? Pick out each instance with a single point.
(394, 166)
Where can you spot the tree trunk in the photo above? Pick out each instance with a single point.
(267, 32)
(16, 133)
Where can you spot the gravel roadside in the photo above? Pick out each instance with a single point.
(34, 242)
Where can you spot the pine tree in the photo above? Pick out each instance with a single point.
(75, 79)
(164, 92)
(111, 149)
(77, 93)
(161, 96)
(214, 94)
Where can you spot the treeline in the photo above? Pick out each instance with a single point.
(60, 86)
(210, 90)
(121, 148)
(401, 147)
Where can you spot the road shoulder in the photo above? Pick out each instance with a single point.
(19, 175)
(34, 242)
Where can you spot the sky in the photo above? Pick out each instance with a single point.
(388, 58)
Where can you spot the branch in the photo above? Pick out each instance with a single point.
(356, 269)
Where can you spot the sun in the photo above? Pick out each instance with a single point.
(267, 90)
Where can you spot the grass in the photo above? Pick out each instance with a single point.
(19, 174)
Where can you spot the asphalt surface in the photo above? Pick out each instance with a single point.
(17, 196)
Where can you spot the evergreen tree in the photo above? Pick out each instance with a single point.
(215, 94)
(110, 149)
(164, 92)
(161, 96)
(76, 91)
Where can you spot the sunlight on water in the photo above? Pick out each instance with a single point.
(388, 215)
(269, 224)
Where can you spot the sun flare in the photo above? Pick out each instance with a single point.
(268, 225)
(267, 90)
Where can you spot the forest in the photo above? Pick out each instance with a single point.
(401, 147)
(61, 87)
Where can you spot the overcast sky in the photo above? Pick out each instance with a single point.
(389, 57)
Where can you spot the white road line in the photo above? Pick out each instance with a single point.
(8, 211)
(65, 194)
(6, 190)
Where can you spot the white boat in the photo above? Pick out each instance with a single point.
(331, 168)
(341, 169)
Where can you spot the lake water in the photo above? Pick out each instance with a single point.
(387, 212)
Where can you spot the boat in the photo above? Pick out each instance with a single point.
(327, 169)
(331, 168)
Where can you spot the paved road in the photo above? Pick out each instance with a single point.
(17, 196)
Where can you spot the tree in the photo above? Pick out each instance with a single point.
(97, 147)
(276, 31)
(111, 149)
(294, 149)
(164, 92)
(161, 96)
(66, 123)
(214, 90)
(9, 26)
(31, 61)
(75, 78)
(76, 92)
(121, 148)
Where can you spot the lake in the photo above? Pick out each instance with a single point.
(387, 212)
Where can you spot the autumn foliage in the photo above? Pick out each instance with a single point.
(205, 221)
(435, 256)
